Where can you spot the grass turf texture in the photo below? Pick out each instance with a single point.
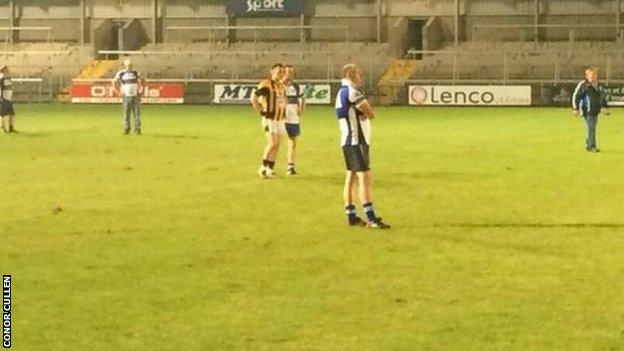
(507, 234)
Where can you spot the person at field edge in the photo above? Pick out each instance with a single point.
(294, 110)
(588, 100)
(269, 100)
(354, 114)
(6, 101)
(131, 83)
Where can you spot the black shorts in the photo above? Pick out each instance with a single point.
(6, 109)
(356, 157)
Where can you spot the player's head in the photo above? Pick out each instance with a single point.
(591, 74)
(289, 72)
(353, 73)
(127, 64)
(277, 71)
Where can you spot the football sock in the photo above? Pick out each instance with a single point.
(369, 210)
(291, 166)
(351, 214)
(270, 164)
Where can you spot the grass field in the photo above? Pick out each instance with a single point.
(506, 234)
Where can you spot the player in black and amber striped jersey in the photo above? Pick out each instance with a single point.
(270, 100)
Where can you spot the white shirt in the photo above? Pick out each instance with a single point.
(6, 87)
(293, 98)
(129, 81)
(355, 128)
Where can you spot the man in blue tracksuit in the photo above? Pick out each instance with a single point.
(587, 101)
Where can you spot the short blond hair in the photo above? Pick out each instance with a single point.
(349, 69)
(591, 69)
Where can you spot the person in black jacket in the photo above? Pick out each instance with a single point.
(588, 100)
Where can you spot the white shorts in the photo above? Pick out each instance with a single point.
(273, 126)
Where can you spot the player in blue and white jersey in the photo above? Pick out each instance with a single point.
(131, 84)
(6, 101)
(295, 105)
(354, 114)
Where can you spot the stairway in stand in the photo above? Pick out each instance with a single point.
(392, 81)
(96, 69)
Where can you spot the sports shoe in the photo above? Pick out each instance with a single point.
(262, 172)
(291, 171)
(377, 224)
(357, 222)
(137, 132)
(126, 132)
(269, 173)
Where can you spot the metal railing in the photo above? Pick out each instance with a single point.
(200, 80)
(573, 28)
(505, 61)
(255, 29)
(32, 90)
(7, 54)
(8, 37)
(236, 60)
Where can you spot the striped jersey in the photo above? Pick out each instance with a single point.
(274, 95)
(293, 98)
(355, 129)
(129, 82)
(6, 88)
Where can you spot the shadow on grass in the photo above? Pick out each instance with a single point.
(31, 135)
(531, 225)
(437, 175)
(175, 136)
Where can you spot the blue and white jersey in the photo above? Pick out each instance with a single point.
(129, 81)
(293, 98)
(6, 88)
(355, 128)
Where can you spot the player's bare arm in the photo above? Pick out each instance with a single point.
(367, 109)
(115, 86)
(258, 103)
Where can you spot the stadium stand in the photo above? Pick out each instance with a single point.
(518, 61)
(396, 41)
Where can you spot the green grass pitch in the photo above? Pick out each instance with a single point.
(507, 234)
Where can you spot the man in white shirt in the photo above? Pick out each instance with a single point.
(6, 101)
(131, 84)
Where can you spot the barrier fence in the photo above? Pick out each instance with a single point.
(235, 63)
(198, 91)
(255, 31)
(9, 32)
(553, 66)
(478, 92)
(32, 90)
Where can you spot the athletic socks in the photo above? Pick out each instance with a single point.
(268, 164)
(291, 166)
(369, 210)
(351, 214)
